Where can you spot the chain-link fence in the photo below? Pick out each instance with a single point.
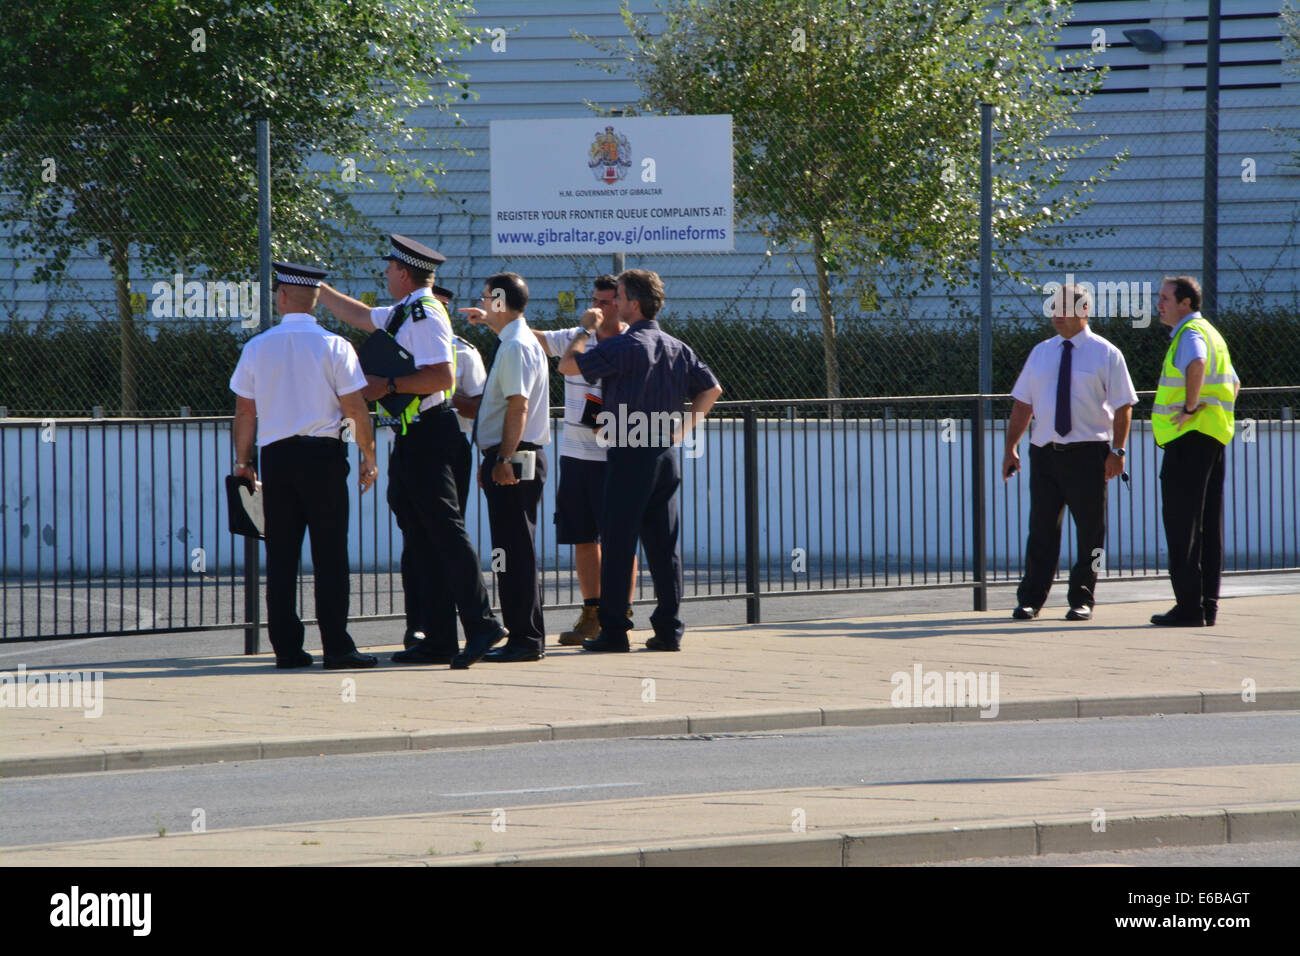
(128, 259)
(127, 253)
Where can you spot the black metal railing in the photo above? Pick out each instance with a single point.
(113, 526)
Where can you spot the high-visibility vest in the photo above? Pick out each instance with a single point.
(412, 410)
(1217, 394)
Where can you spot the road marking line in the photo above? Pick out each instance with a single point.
(51, 646)
(503, 793)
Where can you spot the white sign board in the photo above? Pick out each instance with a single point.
(611, 184)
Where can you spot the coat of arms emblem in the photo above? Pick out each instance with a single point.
(610, 156)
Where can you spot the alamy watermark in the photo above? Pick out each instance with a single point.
(946, 689)
(1111, 300)
(637, 429)
(77, 689)
(75, 909)
(207, 299)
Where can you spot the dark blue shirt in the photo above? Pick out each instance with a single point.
(645, 370)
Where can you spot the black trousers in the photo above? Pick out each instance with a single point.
(641, 502)
(440, 568)
(1072, 477)
(430, 605)
(1191, 488)
(512, 517)
(305, 489)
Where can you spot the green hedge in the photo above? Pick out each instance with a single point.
(69, 367)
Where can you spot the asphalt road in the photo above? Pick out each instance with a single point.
(89, 806)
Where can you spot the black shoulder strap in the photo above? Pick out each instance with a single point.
(396, 318)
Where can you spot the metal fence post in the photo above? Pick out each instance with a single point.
(978, 522)
(252, 596)
(1210, 203)
(753, 612)
(252, 548)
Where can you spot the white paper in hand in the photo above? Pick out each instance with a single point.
(253, 507)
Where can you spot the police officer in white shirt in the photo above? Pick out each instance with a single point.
(581, 492)
(1077, 388)
(514, 416)
(439, 560)
(299, 388)
(470, 376)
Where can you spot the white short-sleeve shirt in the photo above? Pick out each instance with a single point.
(470, 377)
(429, 340)
(1099, 384)
(295, 372)
(519, 369)
(577, 440)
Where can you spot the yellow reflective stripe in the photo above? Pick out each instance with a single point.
(1181, 382)
(1226, 404)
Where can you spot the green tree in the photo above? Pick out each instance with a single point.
(130, 128)
(856, 129)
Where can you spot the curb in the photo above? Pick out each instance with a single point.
(919, 844)
(176, 755)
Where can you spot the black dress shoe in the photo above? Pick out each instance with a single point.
(353, 661)
(476, 647)
(513, 655)
(301, 659)
(1079, 614)
(1176, 619)
(423, 652)
(602, 643)
(1025, 613)
(1211, 615)
(658, 643)
(411, 638)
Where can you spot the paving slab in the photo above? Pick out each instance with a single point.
(728, 678)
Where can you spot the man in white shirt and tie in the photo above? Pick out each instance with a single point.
(1077, 387)
(514, 416)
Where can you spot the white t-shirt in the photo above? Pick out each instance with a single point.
(428, 340)
(470, 377)
(519, 369)
(1099, 384)
(295, 373)
(577, 440)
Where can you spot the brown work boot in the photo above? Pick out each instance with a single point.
(587, 626)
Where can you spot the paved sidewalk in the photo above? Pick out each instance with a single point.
(171, 712)
(890, 823)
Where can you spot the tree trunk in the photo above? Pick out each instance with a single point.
(119, 262)
(828, 317)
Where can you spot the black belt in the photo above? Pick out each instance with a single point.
(1069, 445)
(522, 446)
(431, 413)
(304, 440)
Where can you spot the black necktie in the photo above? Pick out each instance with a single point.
(1063, 392)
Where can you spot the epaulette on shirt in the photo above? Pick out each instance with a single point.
(418, 311)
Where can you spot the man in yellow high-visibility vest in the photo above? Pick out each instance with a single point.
(1192, 420)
